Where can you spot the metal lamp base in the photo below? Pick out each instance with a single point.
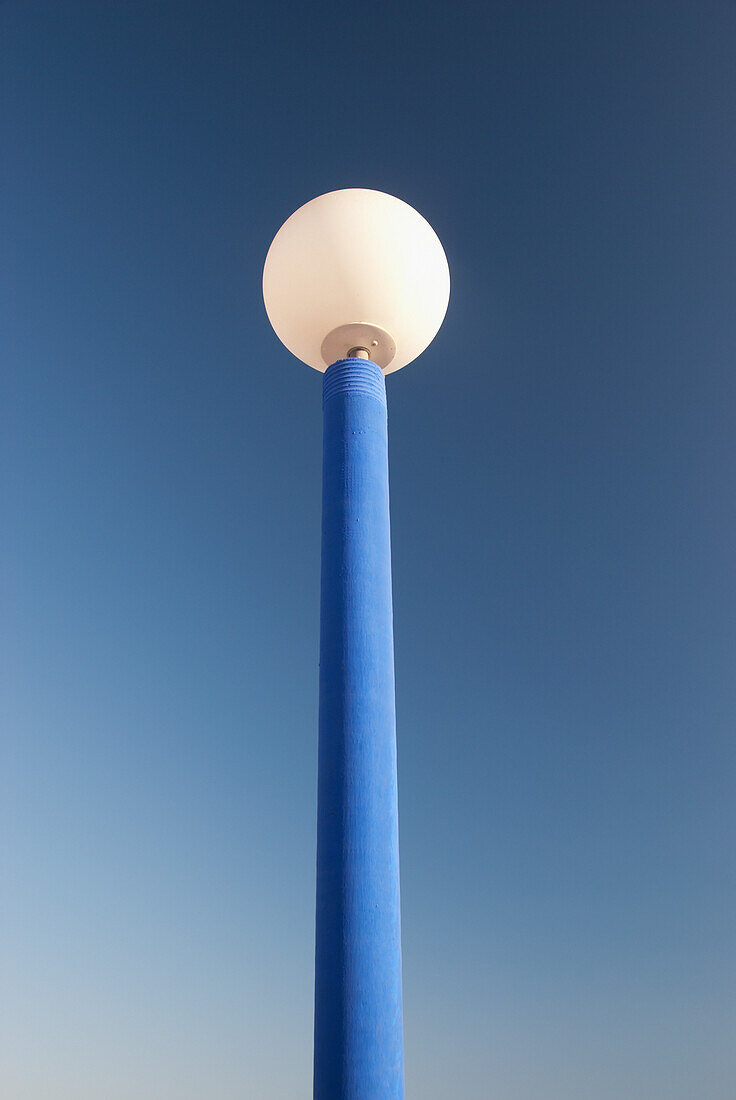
(379, 344)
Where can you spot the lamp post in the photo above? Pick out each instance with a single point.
(356, 285)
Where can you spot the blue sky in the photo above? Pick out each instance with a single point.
(564, 537)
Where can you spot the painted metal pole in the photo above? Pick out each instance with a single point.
(358, 1041)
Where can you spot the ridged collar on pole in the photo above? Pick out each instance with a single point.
(354, 376)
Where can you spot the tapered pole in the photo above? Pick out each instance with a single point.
(358, 1041)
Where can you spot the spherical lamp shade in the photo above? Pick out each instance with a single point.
(356, 268)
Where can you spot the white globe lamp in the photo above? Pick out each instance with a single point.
(356, 269)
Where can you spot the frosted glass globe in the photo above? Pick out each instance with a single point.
(356, 268)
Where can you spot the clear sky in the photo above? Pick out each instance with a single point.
(564, 539)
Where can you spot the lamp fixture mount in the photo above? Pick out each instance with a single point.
(342, 340)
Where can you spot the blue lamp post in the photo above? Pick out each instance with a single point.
(356, 284)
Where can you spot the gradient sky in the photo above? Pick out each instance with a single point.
(564, 538)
